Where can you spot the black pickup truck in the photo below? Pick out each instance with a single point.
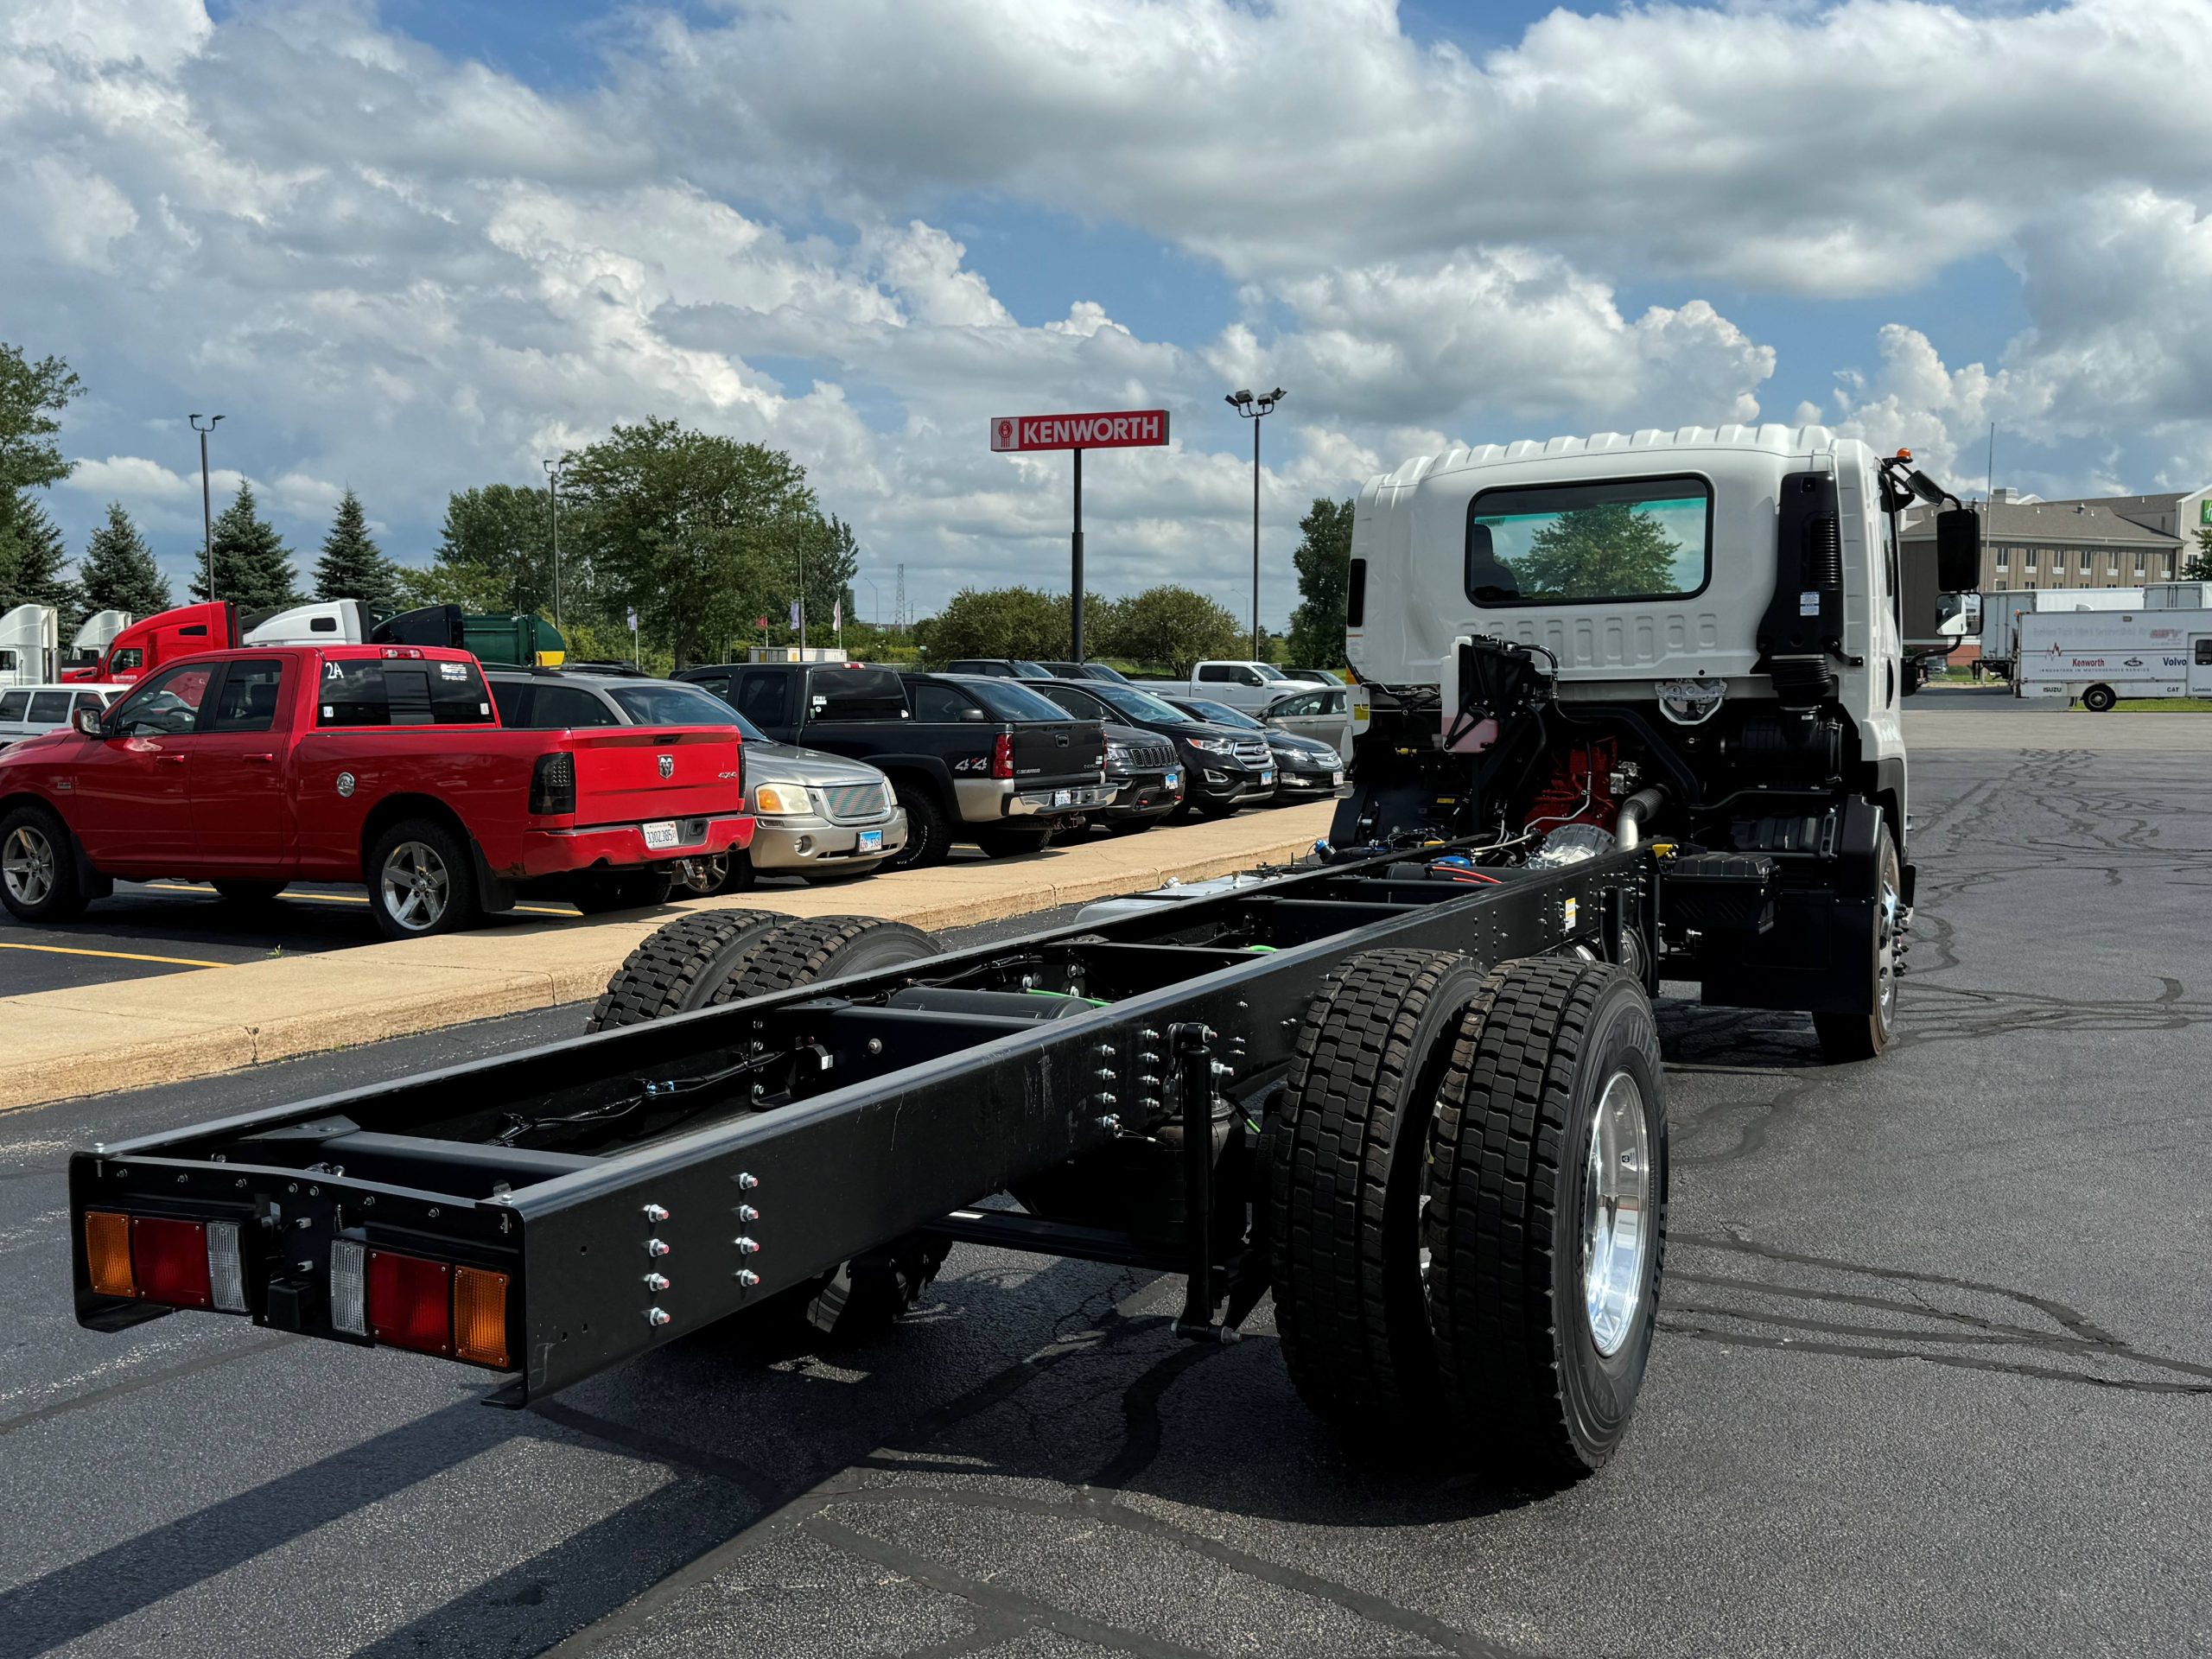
(971, 759)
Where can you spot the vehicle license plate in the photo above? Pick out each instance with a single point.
(871, 841)
(1268, 776)
(660, 833)
(1063, 798)
(1174, 780)
(1336, 777)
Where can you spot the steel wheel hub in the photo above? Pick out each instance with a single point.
(416, 885)
(27, 865)
(1616, 1194)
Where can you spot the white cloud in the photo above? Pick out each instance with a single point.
(134, 480)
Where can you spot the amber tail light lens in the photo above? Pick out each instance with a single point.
(479, 1316)
(107, 1253)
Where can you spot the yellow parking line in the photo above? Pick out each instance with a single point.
(119, 956)
(337, 898)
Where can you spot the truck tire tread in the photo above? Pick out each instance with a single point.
(822, 947)
(1351, 1326)
(677, 968)
(1501, 1153)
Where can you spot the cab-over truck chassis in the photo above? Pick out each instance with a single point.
(1414, 1095)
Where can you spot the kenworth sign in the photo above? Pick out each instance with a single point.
(1128, 428)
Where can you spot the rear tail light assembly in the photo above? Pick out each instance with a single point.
(155, 1259)
(1002, 755)
(553, 785)
(414, 1302)
(388, 1297)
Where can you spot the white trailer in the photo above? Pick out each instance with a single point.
(30, 646)
(2098, 657)
(2001, 610)
(2177, 596)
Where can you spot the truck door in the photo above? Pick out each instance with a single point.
(241, 815)
(2200, 665)
(133, 805)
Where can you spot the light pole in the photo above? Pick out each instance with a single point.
(1254, 410)
(207, 505)
(876, 593)
(553, 493)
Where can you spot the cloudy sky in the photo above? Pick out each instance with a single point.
(416, 246)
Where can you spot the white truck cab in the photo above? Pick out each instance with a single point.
(1697, 635)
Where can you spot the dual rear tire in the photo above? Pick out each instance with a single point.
(1467, 1207)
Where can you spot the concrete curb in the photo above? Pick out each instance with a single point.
(138, 1033)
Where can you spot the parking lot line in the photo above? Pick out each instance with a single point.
(119, 956)
(341, 898)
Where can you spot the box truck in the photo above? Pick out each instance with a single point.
(2098, 657)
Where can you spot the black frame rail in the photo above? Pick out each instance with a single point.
(687, 1168)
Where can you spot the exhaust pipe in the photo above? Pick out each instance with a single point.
(1628, 832)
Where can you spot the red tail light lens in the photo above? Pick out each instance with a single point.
(1003, 756)
(411, 1302)
(169, 1259)
(553, 783)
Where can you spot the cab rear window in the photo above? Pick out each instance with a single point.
(855, 694)
(365, 691)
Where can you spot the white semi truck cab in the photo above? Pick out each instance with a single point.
(1699, 638)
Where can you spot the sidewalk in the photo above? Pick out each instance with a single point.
(140, 1032)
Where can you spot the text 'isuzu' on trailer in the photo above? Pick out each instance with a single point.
(1413, 1091)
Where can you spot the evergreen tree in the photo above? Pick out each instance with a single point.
(1324, 562)
(33, 557)
(352, 566)
(253, 567)
(117, 572)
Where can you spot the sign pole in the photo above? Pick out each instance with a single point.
(1074, 586)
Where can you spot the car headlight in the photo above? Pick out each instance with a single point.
(781, 800)
(1215, 744)
(1117, 756)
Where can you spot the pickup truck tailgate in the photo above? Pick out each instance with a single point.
(1057, 749)
(630, 774)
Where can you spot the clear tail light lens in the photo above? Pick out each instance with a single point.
(225, 1267)
(169, 1260)
(349, 1287)
(107, 1253)
(411, 1302)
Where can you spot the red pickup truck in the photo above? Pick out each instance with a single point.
(385, 764)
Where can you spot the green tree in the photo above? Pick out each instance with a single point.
(694, 532)
(33, 557)
(352, 565)
(117, 572)
(495, 554)
(32, 398)
(833, 559)
(2199, 568)
(1609, 548)
(1175, 627)
(1324, 562)
(253, 567)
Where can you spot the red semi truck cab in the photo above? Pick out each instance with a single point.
(385, 764)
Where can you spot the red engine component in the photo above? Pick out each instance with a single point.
(1581, 788)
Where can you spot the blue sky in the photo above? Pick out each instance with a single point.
(414, 246)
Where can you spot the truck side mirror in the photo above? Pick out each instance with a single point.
(1957, 551)
(87, 720)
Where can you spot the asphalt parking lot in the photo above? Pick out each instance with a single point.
(1933, 1373)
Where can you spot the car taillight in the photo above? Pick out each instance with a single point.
(1002, 755)
(411, 1302)
(553, 783)
(154, 1259)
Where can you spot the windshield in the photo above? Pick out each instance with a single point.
(1637, 538)
(1222, 715)
(671, 705)
(1139, 705)
(1011, 702)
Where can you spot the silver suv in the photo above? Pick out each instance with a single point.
(820, 815)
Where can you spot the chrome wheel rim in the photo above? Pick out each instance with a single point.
(417, 886)
(702, 875)
(1616, 1192)
(1886, 942)
(27, 865)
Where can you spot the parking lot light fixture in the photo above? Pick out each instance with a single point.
(1254, 410)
